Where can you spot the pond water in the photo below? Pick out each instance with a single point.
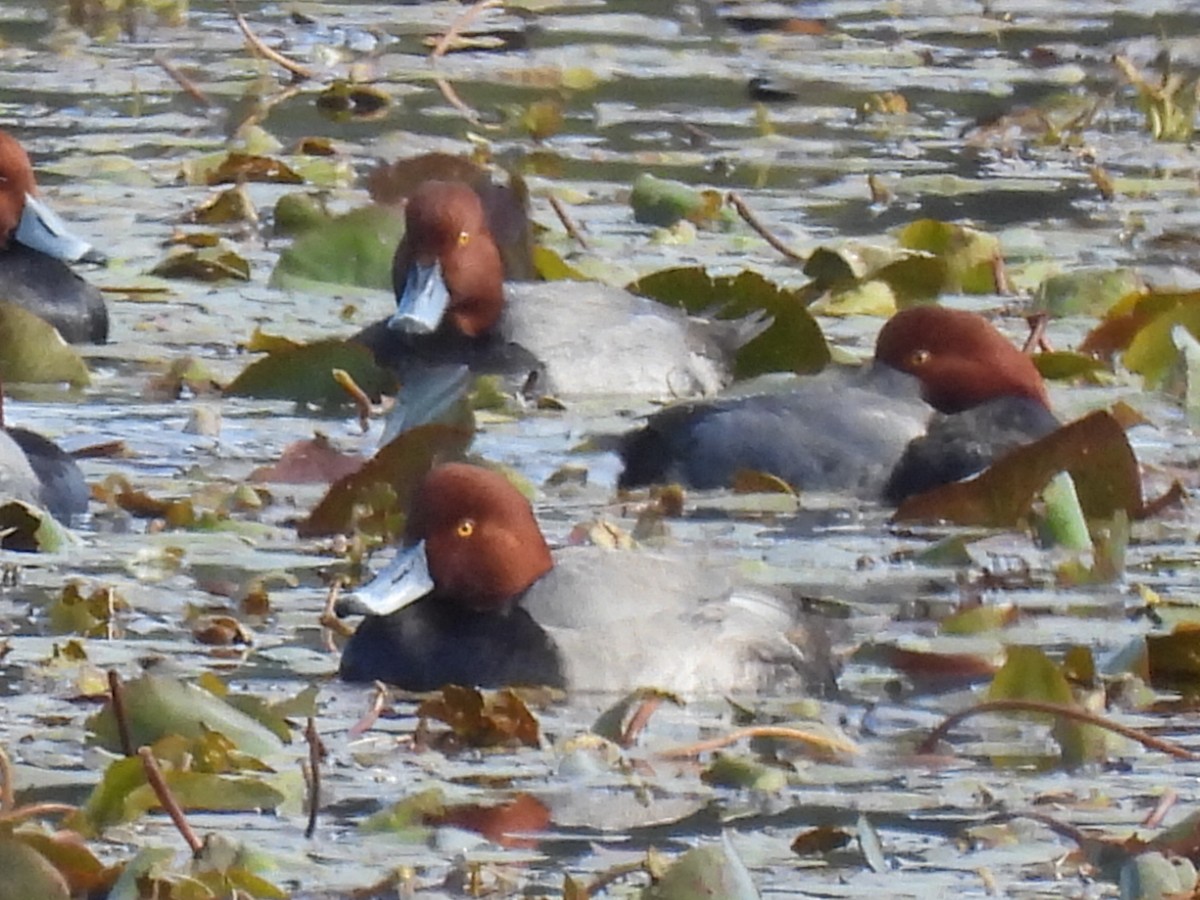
(715, 94)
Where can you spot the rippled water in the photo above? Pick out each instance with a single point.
(109, 131)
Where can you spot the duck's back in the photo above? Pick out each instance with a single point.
(837, 431)
(596, 339)
(627, 619)
(963, 444)
(51, 289)
(18, 481)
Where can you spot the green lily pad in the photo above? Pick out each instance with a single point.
(28, 874)
(793, 342)
(302, 373)
(1085, 291)
(351, 250)
(32, 350)
(657, 201)
(157, 706)
(969, 255)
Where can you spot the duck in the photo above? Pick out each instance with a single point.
(945, 395)
(564, 338)
(35, 247)
(475, 596)
(36, 470)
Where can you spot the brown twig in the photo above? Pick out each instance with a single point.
(312, 774)
(1000, 276)
(167, 801)
(1168, 800)
(1056, 709)
(640, 719)
(189, 87)
(613, 874)
(298, 71)
(8, 793)
(1037, 334)
(567, 222)
(456, 27)
(329, 619)
(1173, 497)
(752, 220)
(454, 100)
(361, 401)
(116, 690)
(36, 811)
(371, 716)
(817, 741)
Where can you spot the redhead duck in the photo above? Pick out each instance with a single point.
(35, 246)
(868, 431)
(567, 338)
(476, 597)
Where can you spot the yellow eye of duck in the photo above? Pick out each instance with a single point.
(919, 358)
(465, 528)
(464, 238)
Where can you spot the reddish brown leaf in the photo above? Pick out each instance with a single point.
(1093, 450)
(314, 461)
(509, 824)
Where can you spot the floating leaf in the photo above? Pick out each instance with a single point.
(542, 119)
(1061, 365)
(498, 718)
(1094, 450)
(970, 256)
(32, 350)
(203, 264)
(304, 374)
(510, 824)
(296, 213)
(315, 461)
(239, 167)
(743, 773)
(551, 267)
(28, 529)
(28, 874)
(1174, 659)
(792, 343)
(656, 201)
(345, 102)
(382, 486)
(157, 706)
(714, 870)
(1028, 674)
(1085, 291)
(1062, 523)
(230, 205)
(930, 669)
(351, 250)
